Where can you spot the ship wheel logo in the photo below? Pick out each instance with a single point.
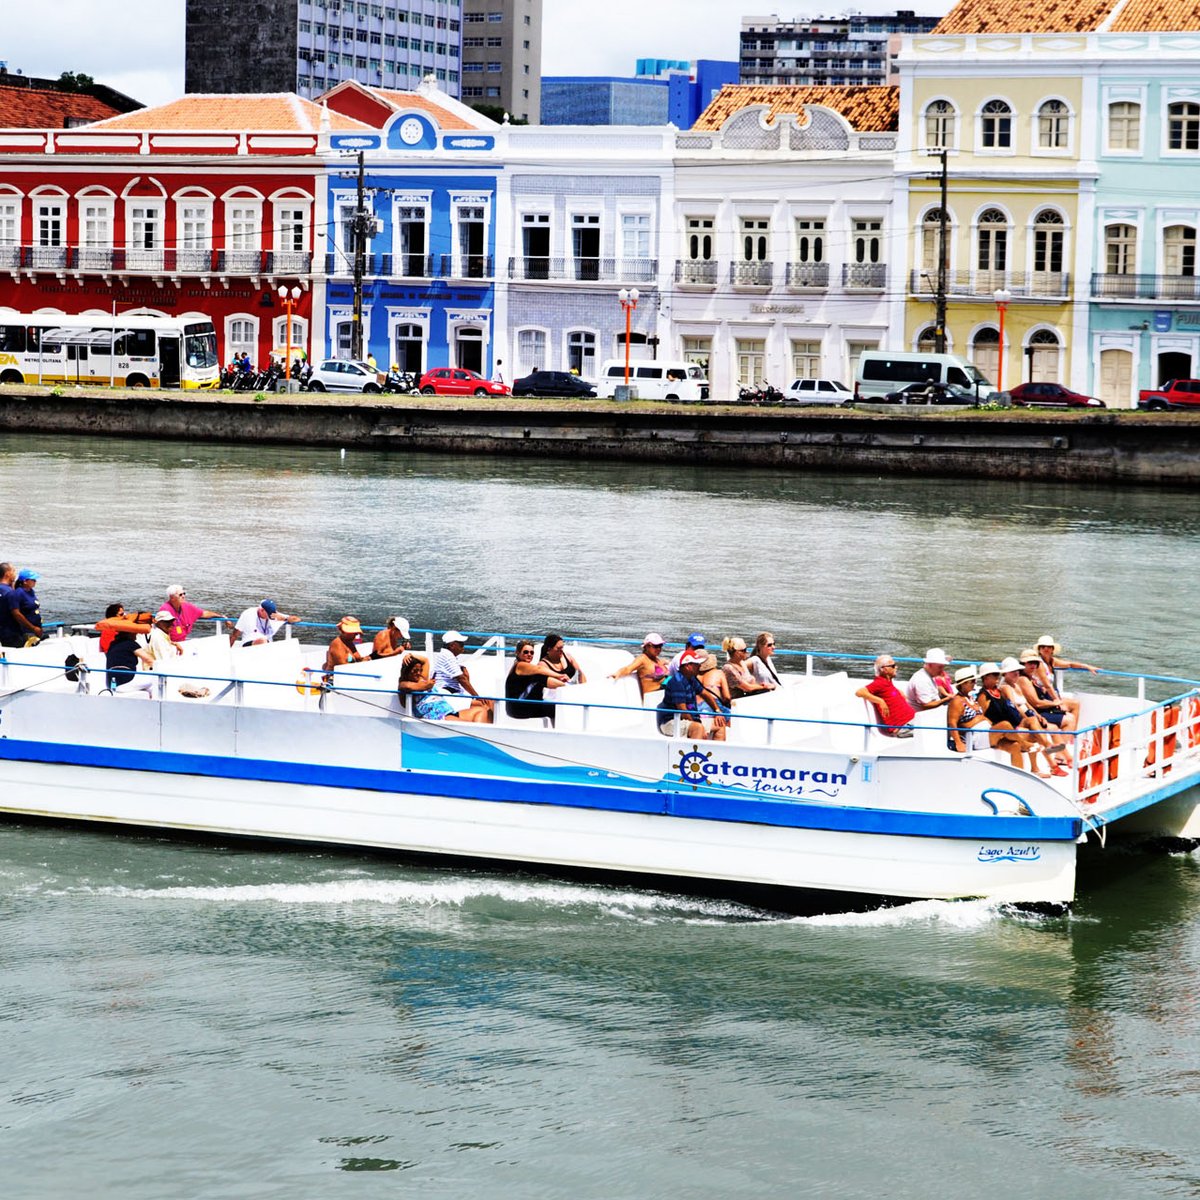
(691, 766)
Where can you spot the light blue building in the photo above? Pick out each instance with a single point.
(662, 91)
(1144, 301)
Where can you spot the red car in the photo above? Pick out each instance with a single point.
(458, 381)
(1051, 395)
(1175, 393)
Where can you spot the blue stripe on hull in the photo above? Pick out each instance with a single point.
(700, 805)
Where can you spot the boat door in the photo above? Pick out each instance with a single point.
(168, 361)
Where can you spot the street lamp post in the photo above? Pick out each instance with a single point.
(1002, 297)
(628, 298)
(289, 297)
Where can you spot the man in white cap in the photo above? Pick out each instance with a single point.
(927, 689)
(450, 672)
(392, 639)
(163, 647)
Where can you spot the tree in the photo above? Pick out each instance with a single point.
(75, 81)
(495, 112)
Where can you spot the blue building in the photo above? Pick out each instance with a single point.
(429, 181)
(662, 91)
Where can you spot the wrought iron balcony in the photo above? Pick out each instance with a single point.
(982, 285)
(751, 274)
(1145, 287)
(866, 277)
(696, 272)
(467, 266)
(583, 270)
(808, 275)
(136, 260)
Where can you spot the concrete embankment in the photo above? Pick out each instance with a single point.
(1092, 447)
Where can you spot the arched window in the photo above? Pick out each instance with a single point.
(1048, 235)
(1043, 366)
(985, 351)
(1053, 125)
(941, 125)
(995, 125)
(1183, 126)
(931, 242)
(927, 340)
(991, 250)
(241, 337)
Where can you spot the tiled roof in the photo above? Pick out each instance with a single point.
(267, 113)
(37, 108)
(1157, 16)
(1026, 16)
(442, 114)
(865, 108)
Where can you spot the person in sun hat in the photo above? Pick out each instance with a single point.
(344, 648)
(966, 726)
(259, 624)
(1032, 721)
(1042, 696)
(927, 688)
(450, 673)
(163, 647)
(647, 666)
(1048, 650)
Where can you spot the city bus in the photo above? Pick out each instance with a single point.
(135, 349)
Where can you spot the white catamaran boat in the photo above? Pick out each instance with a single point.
(804, 797)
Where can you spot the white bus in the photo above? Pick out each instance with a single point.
(654, 380)
(134, 349)
(883, 371)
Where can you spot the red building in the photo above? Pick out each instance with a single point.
(204, 205)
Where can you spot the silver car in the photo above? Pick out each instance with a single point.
(818, 391)
(344, 375)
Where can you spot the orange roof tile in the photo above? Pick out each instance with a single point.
(39, 108)
(268, 113)
(865, 108)
(1026, 16)
(443, 116)
(1159, 16)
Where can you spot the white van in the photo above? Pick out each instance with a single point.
(655, 380)
(884, 371)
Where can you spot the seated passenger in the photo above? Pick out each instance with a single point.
(647, 666)
(894, 710)
(117, 620)
(1043, 697)
(431, 702)
(122, 659)
(1049, 650)
(966, 725)
(716, 716)
(926, 689)
(554, 655)
(452, 677)
(695, 642)
(526, 684)
(681, 694)
(1032, 721)
(737, 670)
(760, 664)
(1006, 719)
(392, 639)
(344, 648)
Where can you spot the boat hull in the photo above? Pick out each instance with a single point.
(473, 824)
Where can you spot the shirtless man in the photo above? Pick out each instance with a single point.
(392, 639)
(343, 648)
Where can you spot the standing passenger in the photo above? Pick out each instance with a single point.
(9, 629)
(26, 611)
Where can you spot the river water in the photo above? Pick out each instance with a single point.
(220, 1021)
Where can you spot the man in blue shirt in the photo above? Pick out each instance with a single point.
(682, 690)
(26, 611)
(8, 626)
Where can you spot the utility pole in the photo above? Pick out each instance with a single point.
(359, 230)
(939, 332)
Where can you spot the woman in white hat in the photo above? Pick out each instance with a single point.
(966, 726)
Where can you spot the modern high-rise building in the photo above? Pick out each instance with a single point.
(502, 56)
(308, 46)
(852, 49)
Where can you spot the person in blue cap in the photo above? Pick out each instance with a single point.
(26, 611)
(259, 624)
(695, 642)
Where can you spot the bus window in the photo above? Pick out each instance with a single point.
(12, 339)
(139, 343)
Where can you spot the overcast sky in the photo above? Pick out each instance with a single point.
(136, 46)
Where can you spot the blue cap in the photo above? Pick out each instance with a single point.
(24, 575)
(269, 607)
(697, 639)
